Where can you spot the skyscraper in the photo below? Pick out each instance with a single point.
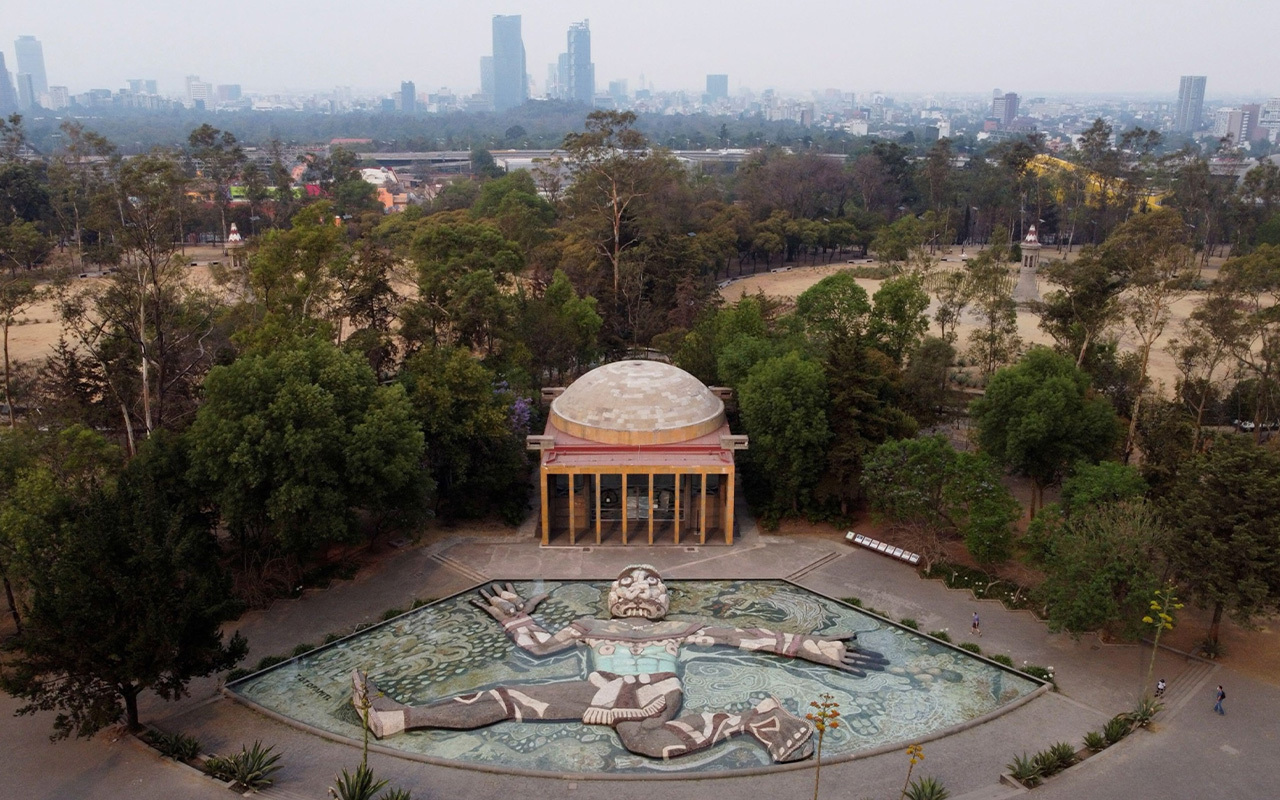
(717, 87)
(27, 98)
(408, 97)
(582, 73)
(510, 82)
(486, 77)
(1004, 107)
(8, 96)
(1190, 103)
(31, 61)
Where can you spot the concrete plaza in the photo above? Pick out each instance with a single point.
(1192, 753)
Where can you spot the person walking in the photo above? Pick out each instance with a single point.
(1218, 698)
(1160, 684)
(976, 628)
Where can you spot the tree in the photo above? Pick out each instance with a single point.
(1151, 251)
(996, 341)
(561, 331)
(1253, 282)
(1094, 485)
(1224, 509)
(1086, 303)
(1039, 416)
(16, 296)
(218, 157)
(897, 316)
(833, 308)
(783, 402)
(1203, 352)
(928, 485)
(290, 441)
(124, 594)
(1102, 565)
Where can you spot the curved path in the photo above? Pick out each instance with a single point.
(1195, 753)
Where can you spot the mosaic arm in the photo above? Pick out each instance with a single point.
(508, 608)
(833, 651)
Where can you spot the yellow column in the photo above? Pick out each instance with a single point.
(676, 523)
(546, 512)
(728, 506)
(623, 504)
(573, 527)
(597, 508)
(702, 511)
(650, 508)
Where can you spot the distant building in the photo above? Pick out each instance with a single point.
(486, 77)
(228, 93)
(1229, 123)
(31, 62)
(8, 95)
(510, 81)
(718, 87)
(1004, 107)
(581, 84)
(1250, 125)
(618, 91)
(1269, 119)
(59, 98)
(27, 98)
(408, 97)
(1190, 103)
(198, 92)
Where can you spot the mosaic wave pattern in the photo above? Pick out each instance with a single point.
(452, 647)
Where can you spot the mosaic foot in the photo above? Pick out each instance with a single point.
(784, 735)
(384, 716)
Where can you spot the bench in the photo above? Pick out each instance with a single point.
(883, 547)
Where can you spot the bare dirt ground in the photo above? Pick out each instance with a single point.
(793, 283)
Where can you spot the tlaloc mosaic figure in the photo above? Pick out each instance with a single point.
(633, 684)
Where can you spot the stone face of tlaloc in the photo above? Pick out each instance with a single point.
(633, 683)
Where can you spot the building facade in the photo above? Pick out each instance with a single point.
(510, 81)
(1187, 115)
(637, 452)
(8, 94)
(717, 87)
(30, 56)
(581, 73)
(408, 97)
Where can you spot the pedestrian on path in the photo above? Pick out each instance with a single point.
(1218, 698)
(1160, 684)
(976, 628)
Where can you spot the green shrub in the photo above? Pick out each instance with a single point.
(1095, 741)
(1025, 769)
(908, 622)
(1001, 658)
(303, 648)
(941, 636)
(250, 768)
(269, 661)
(1064, 755)
(1211, 649)
(1046, 763)
(391, 613)
(875, 611)
(422, 601)
(236, 674)
(330, 638)
(856, 602)
(1037, 671)
(1116, 729)
(972, 647)
(177, 746)
(396, 794)
(926, 789)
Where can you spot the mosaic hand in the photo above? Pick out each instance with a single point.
(835, 651)
(505, 604)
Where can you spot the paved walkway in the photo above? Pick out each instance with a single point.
(1194, 754)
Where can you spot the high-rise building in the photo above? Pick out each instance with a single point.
(59, 98)
(31, 61)
(228, 93)
(8, 96)
(198, 92)
(582, 73)
(408, 97)
(717, 87)
(1004, 107)
(510, 81)
(486, 77)
(1190, 103)
(27, 98)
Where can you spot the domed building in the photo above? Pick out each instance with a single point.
(637, 452)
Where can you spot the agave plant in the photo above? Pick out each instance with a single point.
(250, 768)
(1147, 708)
(1064, 755)
(926, 789)
(177, 745)
(1025, 770)
(1116, 729)
(1095, 741)
(360, 785)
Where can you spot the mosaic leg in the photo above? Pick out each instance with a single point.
(786, 736)
(552, 701)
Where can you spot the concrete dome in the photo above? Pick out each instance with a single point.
(637, 402)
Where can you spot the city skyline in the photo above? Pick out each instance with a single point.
(1143, 47)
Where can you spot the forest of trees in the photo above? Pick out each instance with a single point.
(190, 447)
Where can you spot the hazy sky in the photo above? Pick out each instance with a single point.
(897, 46)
